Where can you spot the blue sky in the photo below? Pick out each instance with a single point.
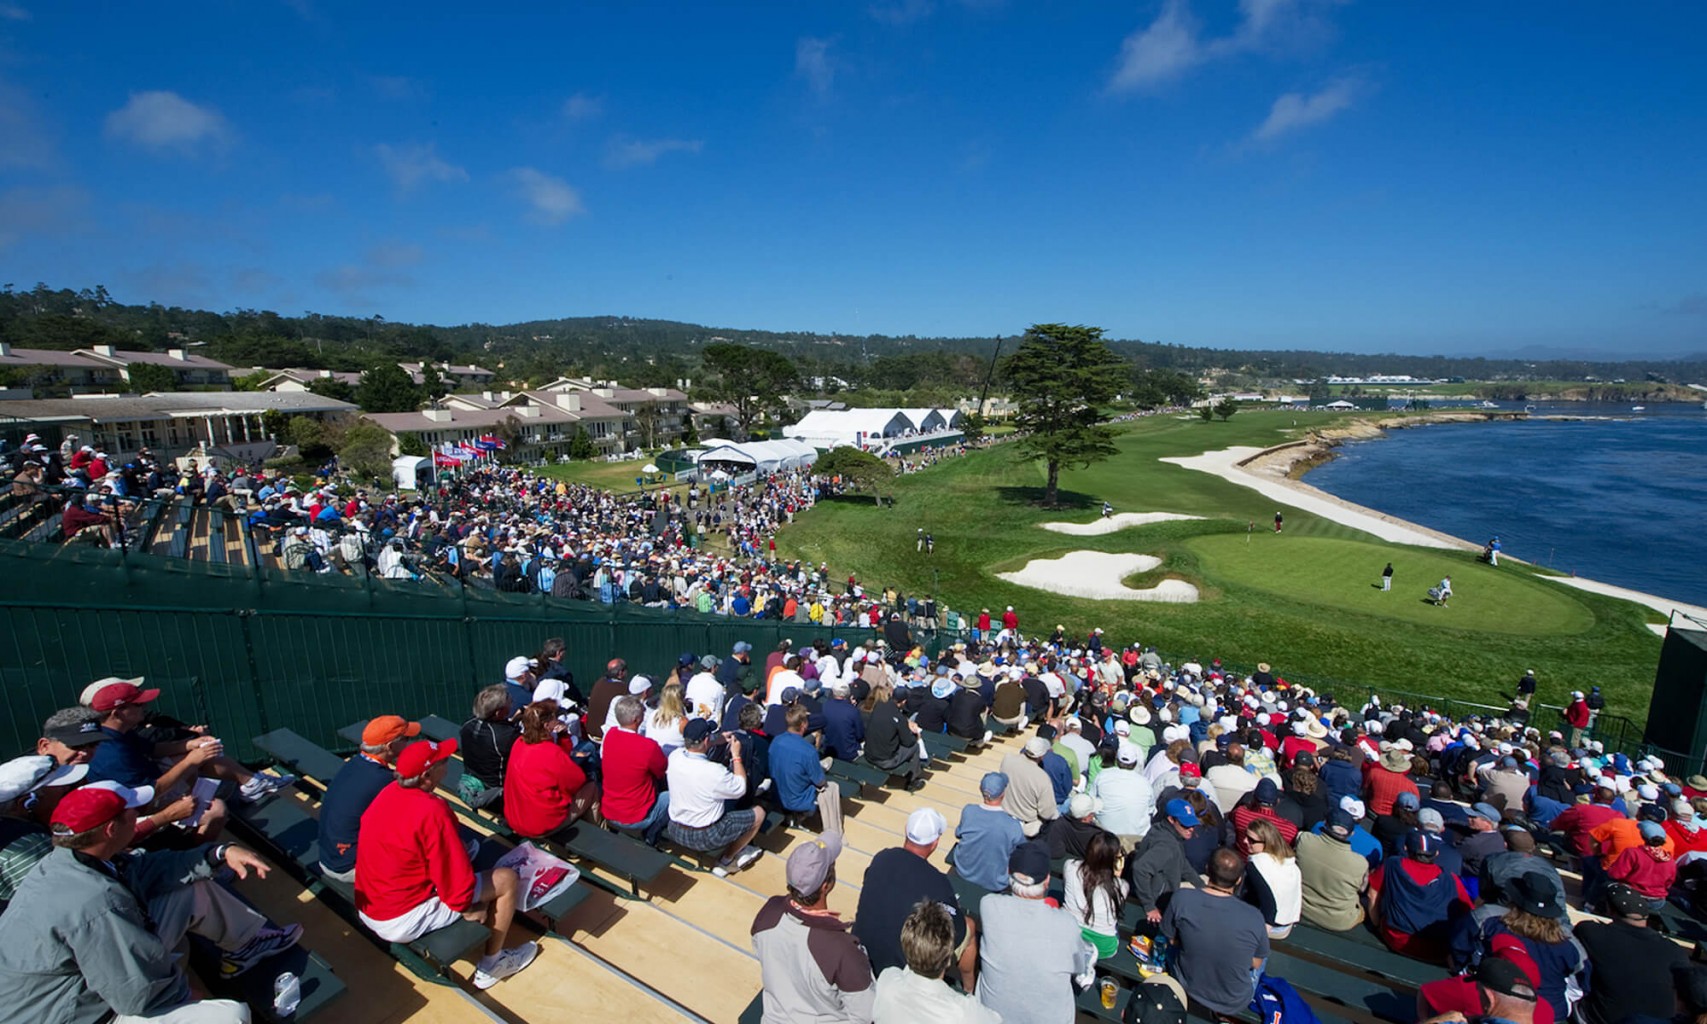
(1367, 176)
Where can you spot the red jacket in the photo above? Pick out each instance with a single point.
(539, 785)
(1577, 714)
(409, 852)
(633, 767)
(1645, 869)
(1010, 620)
(1578, 820)
(983, 621)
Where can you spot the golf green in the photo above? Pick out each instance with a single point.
(1345, 575)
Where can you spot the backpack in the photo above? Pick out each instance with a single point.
(1277, 1002)
(1154, 1004)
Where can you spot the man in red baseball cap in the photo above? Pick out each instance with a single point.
(95, 930)
(353, 789)
(133, 760)
(414, 876)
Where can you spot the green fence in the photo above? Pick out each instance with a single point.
(245, 650)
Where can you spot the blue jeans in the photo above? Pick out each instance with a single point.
(652, 826)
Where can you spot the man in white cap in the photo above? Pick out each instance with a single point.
(897, 879)
(24, 835)
(1128, 799)
(1030, 796)
(813, 968)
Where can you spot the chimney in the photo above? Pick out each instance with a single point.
(570, 402)
(5, 348)
(604, 392)
(437, 415)
(325, 374)
(181, 355)
(658, 392)
(110, 351)
(527, 411)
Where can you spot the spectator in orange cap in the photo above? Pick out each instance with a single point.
(354, 788)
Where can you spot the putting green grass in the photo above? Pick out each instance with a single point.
(1303, 603)
(1345, 574)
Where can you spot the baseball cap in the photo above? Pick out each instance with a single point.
(79, 734)
(1627, 902)
(1430, 820)
(1082, 804)
(517, 667)
(1267, 792)
(993, 784)
(386, 728)
(925, 826)
(1181, 812)
(1339, 824)
(1506, 977)
(697, 729)
(1419, 843)
(31, 772)
(810, 863)
(639, 685)
(1485, 811)
(790, 694)
(1127, 755)
(710, 661)
(1651, 830)
(686, 659)
(1352, 806)
(96, 804)
(1036, 747)
(1190, 770)
(741, 647)
(87, 697)
(1029, 862)
(421, 755)
(121, 694)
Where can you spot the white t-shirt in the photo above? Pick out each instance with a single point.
(705, 696)
(1286, 883)
(698, 788)
(1105, 915)
(783, 679)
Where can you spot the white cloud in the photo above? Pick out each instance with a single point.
(812, 62)
(626, 152)
(553, 199)
(162, 120)
(12, 12)
(1165, 50)
(1295, 110)
(1172, 45)
(416, 164)
(582, 107)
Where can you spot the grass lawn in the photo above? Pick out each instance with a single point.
(612, 476)
(1302, 600)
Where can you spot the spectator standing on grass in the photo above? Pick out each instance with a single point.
(354, 788)
(1219, 942)
(813, 967)
(986, 837)
(414, 875)
(919, 993)
(1031, 951)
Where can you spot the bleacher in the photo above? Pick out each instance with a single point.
(659, 936)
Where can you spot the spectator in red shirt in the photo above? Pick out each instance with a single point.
(634, 767)
(1010, 621)
(414, 875)
(1576, 822)
(983, 624)
(544, 789)
(1386, 780)
(1260, 806)
(1648, 868)
(1684, 829)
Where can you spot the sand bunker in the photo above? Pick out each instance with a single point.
(1119, 521)
(1097, 575)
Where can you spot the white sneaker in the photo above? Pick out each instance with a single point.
(721, 869)
(260, 786)
(746, 857)
(493, 969)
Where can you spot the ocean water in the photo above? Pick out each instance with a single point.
(1620, 498)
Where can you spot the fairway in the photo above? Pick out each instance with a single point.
(1302, 601)
(1343, 575)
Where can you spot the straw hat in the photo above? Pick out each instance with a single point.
(1395, 760)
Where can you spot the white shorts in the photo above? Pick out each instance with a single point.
(428, 917)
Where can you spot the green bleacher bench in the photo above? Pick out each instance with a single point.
(320, 984)
(755, 1011)
(302, 756)
(151, 520)
(216, 536)
(1346, 953)
(1349, 994)
(863, 774)
(180, 543)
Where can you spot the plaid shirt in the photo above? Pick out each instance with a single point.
(22, 846)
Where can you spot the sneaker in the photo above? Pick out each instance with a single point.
(721, 868)
(746, 857)
(261, 785)
(267, 942)
(493, 969)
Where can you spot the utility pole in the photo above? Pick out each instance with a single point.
(984, 395)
